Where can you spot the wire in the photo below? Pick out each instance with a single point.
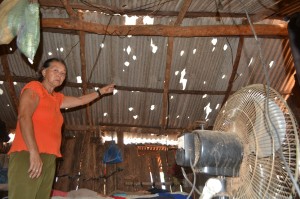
(267, 105)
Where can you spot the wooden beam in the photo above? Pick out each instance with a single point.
(127, 88)
(234, 69)
(8, 78)
(166, 30)
(69, 9)
(120, 128)
(182, 12)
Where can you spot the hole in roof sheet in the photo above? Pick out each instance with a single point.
(66, 108)
(176, 72)
(96, 88)
(1, 91)
(204, 82)
(214, 41)
(218, 105)
(223, 76)
(115, 91)
(177, 116)
(61, 49)
(271, 64)
(15, 83)
(128, 50)
(129, 36)
(49, 53)
(102, 45)
(79, 80)
(7, 105)
(182, 80)
(126, 63)
(181, 52)
(148, 20)
(188, 117)
(207, 110)
(135, 117)
(10, 49)
(30, 61)
(105, 114)
(154, 47)
(123, 70)
(204, 96)
(130, 109)
(213, 49)
(134, 57)
(1, 82)
(171, 97)
(225, 47)
(152, 107)
(130, 20)
(250, 62)
(194, 51)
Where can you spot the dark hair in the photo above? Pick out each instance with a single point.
(47, 63)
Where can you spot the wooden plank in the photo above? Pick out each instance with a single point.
(166, 30)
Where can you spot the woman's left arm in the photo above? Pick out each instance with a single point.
(70, 101)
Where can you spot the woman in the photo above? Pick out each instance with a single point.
(38, 132)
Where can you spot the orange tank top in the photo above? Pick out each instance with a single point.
(47, 122)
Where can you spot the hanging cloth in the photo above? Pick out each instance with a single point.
(113, 154)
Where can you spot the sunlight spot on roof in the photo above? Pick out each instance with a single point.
(102, 45)
(115, 91)
(61, 49)
(10, 49)
(148, 20)
(134, 57)
(105, 114)
(15, 83)
(271, 64)
(154, 47)
(194, 51)
(182, 80)
(79, 80)
(214, 41)
(207, 110)
(135, 117)
(171, 97)
(177, 116)
(223, 76)
(126, 63)
(49, 53)
(130, 109)
(1, 91)
(218, 105)
(214, 48)
(128, 50)
(1, 82)
(176, 72)
(204, 96)
(225, 47)
(30, 61)
(250, 62)
(204, 82)
(152, 107)
(181, 52)
(130, 20)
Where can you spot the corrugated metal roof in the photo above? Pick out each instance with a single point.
(131, 62)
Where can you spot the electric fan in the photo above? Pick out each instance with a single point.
(253, 141)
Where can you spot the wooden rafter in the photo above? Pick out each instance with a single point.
(234, 69)
(165, 107)
(69, 9)
(8, 78)
(167, 30)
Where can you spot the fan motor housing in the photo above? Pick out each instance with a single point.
(215, 153)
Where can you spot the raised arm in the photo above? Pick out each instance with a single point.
(70, 101)
(28, 103)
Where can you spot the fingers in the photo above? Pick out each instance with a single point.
(35, 173)
(36, 165)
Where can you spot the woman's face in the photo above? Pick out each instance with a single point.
(55, 74)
